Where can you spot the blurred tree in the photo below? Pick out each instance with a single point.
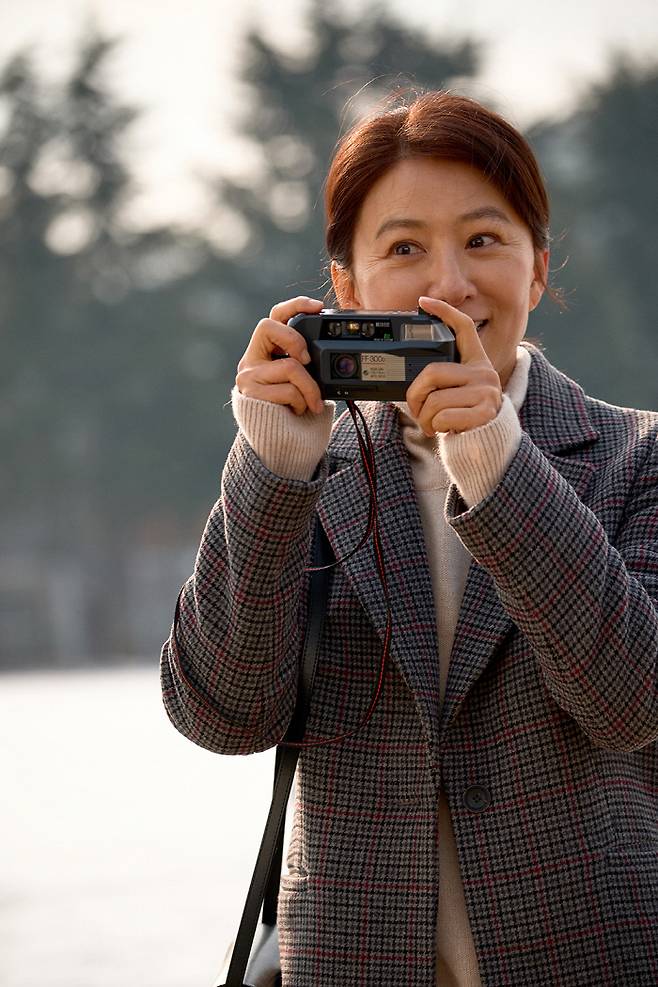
(98, 336)
(96, 325)
(600, 164)
(29, 271)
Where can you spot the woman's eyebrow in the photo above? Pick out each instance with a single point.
(485, 212)
(397, 222)
(407, 222)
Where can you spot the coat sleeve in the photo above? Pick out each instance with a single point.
(587, 607)
(229, 667)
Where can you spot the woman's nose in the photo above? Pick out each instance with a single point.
(450, 282)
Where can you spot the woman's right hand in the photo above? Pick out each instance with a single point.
(281, 381)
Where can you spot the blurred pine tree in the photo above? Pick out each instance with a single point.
(600, 164)
(99, 346)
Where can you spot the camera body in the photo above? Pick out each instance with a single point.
(372, 356)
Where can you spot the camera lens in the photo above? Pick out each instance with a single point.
(345, 365)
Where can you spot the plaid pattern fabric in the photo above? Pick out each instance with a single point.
(546, 742)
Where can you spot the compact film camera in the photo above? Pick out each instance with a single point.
(372, 356)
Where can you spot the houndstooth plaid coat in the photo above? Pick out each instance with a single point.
(545, 744)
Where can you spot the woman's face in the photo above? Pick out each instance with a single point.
(438, 228)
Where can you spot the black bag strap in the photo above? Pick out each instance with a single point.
(264, 887)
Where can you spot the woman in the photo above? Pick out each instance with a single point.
(496, 820)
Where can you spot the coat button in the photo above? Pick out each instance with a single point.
(477, 798)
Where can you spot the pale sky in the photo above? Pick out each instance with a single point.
(179, 56)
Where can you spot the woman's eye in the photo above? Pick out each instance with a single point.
(404, 248)
(480, 238)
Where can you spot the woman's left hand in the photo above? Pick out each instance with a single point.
(455, 397)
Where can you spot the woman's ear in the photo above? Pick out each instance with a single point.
(344, 287)
(540, 279)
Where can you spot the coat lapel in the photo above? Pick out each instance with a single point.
(482, 627)
(343, 511)
(555, 416)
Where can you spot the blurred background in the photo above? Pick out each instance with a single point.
(161, 169)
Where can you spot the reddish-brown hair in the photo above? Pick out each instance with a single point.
(436, 125)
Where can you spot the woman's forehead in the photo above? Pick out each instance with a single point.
(419, 190)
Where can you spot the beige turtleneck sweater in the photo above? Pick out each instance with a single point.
(292, 446)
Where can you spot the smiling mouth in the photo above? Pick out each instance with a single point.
(481, 323)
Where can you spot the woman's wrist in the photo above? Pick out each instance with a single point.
(289, 445)
(476, 460)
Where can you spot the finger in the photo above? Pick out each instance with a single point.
(452, 397)
(294, 306)
(468, 342)
(283, 394)
(289, 370)
(435, 376)
(257, 381)
(455, 398)
(460, 419)
(270, 336)
(486, 404)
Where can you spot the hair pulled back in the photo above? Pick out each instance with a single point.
(440, 125)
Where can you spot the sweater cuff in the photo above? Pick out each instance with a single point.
(289, 445)
(476, 460)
